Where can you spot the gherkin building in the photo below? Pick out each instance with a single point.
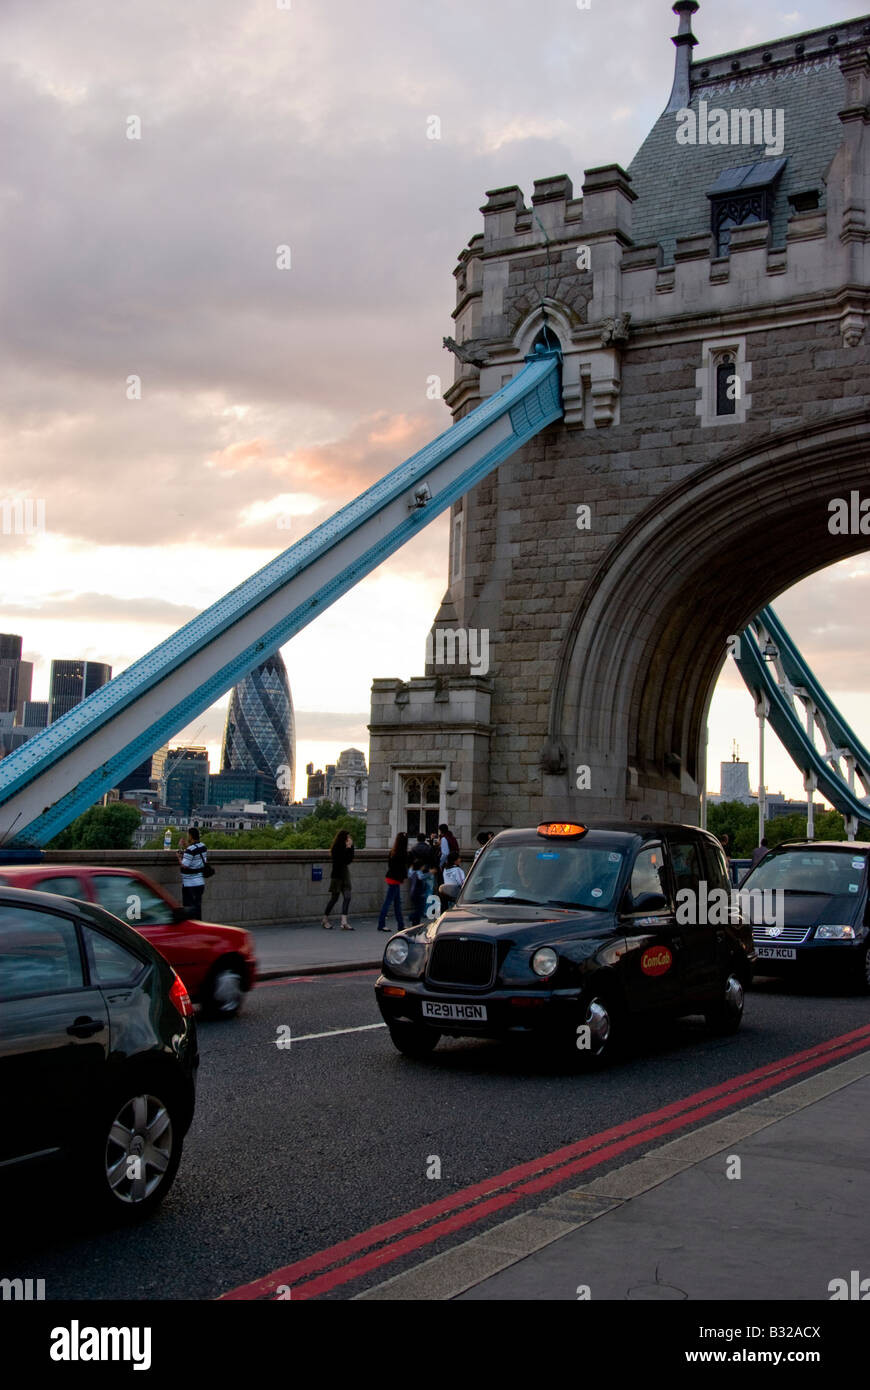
(260, 734)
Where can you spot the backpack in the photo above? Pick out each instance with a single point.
(207, 870)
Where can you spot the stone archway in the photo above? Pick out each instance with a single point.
(646, 643)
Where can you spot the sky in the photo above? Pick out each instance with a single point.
(184, 409)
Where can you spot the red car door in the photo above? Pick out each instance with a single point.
(137, 901)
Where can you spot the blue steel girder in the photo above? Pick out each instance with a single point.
(778, 682)
(68, 766)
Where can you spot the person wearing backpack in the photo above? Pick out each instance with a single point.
(449, 845)
(195, 868)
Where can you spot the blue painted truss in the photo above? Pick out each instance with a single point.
(95, 736)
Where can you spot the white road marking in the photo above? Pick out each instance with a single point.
(304, 1037)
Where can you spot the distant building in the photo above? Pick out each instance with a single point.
(35, 714)
(777, 805)
(13, 734)
(146, 777)
(260, 734)
(350, 783)
(73, 681)
(733, 782)
(320, 783)
(228, 786)
(16, 677)
(185, 779)
(155, 821)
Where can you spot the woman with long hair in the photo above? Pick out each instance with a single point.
(397, 872)
(341, 852)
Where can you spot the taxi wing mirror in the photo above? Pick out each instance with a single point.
(179, 914)
(649, 902)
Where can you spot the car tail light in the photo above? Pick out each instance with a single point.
(180, 998)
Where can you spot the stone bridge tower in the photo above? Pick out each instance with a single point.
(711, 306)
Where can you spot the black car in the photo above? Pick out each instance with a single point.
(812, 896)
(570, 931)
(98, 1052)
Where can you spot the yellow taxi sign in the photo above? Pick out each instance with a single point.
(563, 828)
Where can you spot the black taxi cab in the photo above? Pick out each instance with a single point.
(574, 932)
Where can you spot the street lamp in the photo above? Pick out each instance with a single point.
(762, 709)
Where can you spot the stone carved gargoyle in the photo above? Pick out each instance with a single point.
(472, 359)
(614, 332)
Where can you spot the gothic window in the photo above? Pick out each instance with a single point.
(726, 385)
(724, 380)
(741, 196)
(546, 339)
(735, 212)
(422, 803)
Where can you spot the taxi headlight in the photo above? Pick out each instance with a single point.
(544, 961)
(835, 933)
(397, 951)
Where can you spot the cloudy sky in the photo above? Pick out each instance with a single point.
(270, 397)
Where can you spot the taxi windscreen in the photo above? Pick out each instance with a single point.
(834, 872)
(546, 875)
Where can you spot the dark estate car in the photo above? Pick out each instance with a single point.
(818, 915)
(568, 931)
(98, 1052)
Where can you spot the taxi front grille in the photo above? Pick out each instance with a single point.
(457, 962)
(788, 936)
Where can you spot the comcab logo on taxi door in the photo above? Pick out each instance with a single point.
(656, 960)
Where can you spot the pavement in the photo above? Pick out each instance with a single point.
(765, 1204)
(304, 948)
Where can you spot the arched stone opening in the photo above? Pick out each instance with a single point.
(646, 644)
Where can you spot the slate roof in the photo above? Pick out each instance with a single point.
(799, 75)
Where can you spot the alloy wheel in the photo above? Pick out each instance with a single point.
(138, 1149)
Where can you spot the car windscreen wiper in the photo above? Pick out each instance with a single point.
(582, 907)
(526, 902)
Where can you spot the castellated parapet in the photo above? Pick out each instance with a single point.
(606, 627)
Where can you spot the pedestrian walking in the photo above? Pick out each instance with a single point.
(454, 878)
(422, 850)
(193, 860)
(397, 872)
(418, 887)
(341, 852)
(758, 853)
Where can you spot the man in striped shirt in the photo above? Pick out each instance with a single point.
(193, 860)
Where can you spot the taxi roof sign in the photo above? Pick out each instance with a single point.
(560, 828)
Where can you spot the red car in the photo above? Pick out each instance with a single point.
(217, 964)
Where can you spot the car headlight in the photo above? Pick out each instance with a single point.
(397, 951)
(544, 961)
(830, 932)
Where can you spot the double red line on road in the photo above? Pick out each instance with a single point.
(383, 1244)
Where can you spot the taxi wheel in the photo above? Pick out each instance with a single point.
(598, 1037)
(414, 1041)
(727, 1014)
